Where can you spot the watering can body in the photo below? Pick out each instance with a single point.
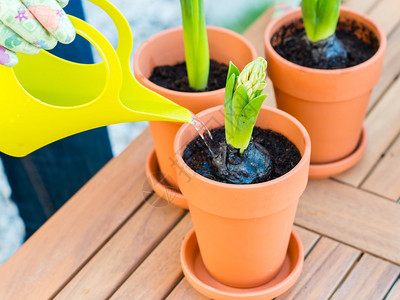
(45, 98)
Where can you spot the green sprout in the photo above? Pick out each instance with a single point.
(196, 43)
(320, 18)
(243, 102)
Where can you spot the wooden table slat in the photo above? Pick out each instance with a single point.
(64, 243)
(390, 69)
(394, 293)
(351, 216)
(308, 238)
(323, 270)
(385, 178)
(110, 267)
(184, 291)
(161, 271)
(105, 242)
(370, 279)
(382, 10)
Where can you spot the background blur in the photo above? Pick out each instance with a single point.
(146, 18)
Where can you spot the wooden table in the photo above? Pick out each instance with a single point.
(115, 239)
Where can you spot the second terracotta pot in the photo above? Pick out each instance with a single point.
(167, 48)
(331, 104)
(243, 231)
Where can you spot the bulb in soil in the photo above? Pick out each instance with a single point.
(269, 156)
(248, 167)
(327, 51)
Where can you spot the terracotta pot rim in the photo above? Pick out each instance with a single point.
(300, 165)
(156, 87)
(380, 35)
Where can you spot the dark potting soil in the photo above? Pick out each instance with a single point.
(282, 155)
(175, 77)
(359, 42)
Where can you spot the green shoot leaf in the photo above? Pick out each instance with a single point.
(229, 126)
(245, 123)
(320, 18)
(239, 100)
(243, 102)
(232, 70)
(196, 43)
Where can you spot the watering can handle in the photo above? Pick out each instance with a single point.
(125, 43)
(112, 58)
(104, 48)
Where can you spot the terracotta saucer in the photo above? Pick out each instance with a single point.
(339, 166)
(160, 186)
(198, 277)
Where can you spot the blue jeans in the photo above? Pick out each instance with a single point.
(44, 180)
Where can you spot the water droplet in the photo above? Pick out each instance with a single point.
(201, 128)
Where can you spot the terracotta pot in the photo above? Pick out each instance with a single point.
(331, 104)
(167, 48)
(243, 231)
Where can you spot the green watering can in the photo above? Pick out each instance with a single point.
(45, 98)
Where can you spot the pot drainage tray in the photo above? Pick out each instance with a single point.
(339, 166)
(198, 277)
(159, 184)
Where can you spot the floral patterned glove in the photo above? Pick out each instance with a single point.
(27, 26)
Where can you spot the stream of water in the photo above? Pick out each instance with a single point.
(202, 129)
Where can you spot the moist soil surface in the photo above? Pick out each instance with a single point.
(175, 77)
(360, 44)
(282, 153)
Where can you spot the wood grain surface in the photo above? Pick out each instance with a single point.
(323, 270)
(161, 271)
(351, 216)
(77, 231)
(120, 256)
(384, 180)
(114, 239)
(370, 279)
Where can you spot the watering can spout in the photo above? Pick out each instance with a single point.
(171, 113)
(149, 105)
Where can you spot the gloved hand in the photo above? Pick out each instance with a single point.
(27, 26)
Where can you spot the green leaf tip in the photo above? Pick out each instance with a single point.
(320, 18)
(243, 101)
(232, 70)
